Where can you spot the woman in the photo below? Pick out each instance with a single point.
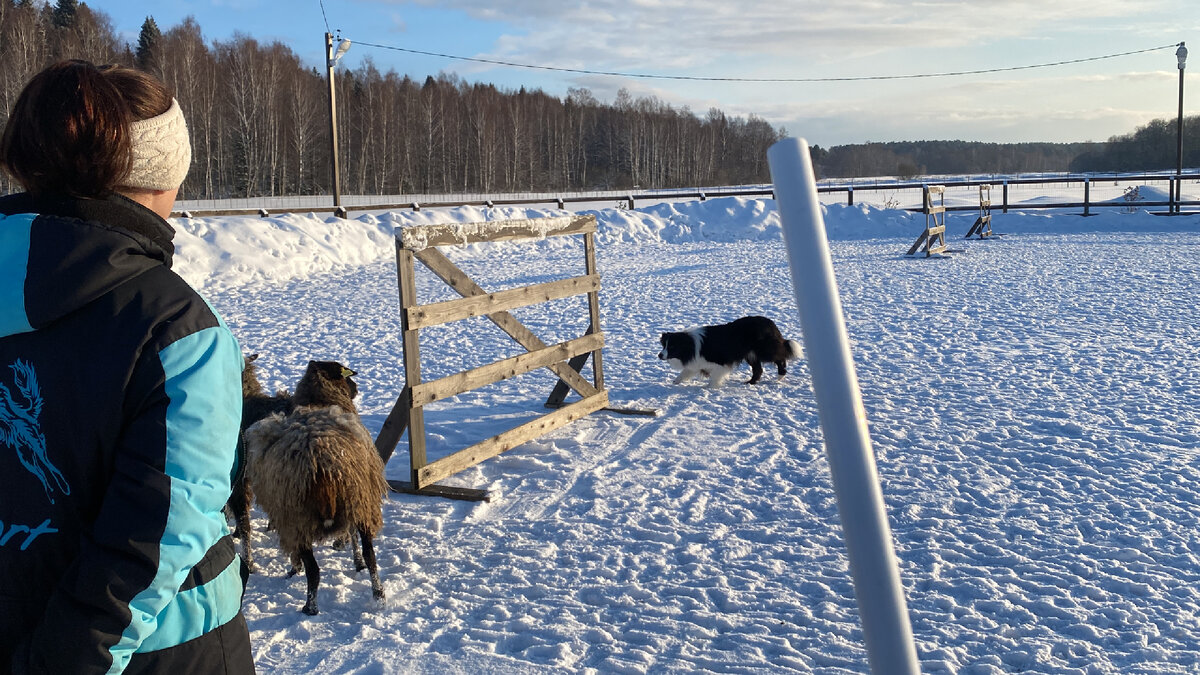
(120, 395)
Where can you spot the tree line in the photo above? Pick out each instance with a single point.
(1151, 147)
(259, 122)
(259, 119)
(910, 159)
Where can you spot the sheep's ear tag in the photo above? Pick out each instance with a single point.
(346, 372)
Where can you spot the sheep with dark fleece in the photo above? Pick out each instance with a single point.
(256, 405)
(317, 475)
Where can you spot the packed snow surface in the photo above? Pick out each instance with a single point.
(1032, 400)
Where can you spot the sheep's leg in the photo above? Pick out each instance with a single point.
(359, 563)
(368, 549)
(244, 528)
(296, 565)
(313, 575)
(240, 499)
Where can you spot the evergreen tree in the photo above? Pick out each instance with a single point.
(64, 13)
(148, 44)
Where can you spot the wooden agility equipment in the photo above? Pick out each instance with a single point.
(933, 239)
(565, 359)
(983, 224)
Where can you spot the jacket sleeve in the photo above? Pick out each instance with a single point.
(161, 513)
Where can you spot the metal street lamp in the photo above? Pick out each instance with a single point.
(331, 60)
(1180, 54)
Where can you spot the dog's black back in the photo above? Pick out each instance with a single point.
(751, 339)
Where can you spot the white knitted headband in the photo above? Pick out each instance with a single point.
(162, 152)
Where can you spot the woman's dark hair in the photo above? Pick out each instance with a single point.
(69, 130)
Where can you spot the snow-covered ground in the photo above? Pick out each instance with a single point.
(1033, 403)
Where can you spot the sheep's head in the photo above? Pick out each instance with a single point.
(326, 383)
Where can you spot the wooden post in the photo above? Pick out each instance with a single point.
(406, 275)
(1005, 197)
(589, 251)
(850, 195)
(1087, 196)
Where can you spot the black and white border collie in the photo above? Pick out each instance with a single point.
(714, 351)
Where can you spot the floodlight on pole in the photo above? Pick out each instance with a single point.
(342, 48)
(331, 60)
(1180, 54)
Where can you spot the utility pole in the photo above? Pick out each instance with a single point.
(1180, 54)
(331, 60)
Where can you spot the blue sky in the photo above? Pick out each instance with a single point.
(780, 39)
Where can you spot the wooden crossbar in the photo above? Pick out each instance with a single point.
(436, 314)
(420, 237)
(468, 457)
(453, 385)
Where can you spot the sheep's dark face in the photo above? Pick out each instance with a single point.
(331, 376)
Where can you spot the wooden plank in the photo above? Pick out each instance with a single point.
(448, 272)
(933, 210)
(439, 313)
(937, 229)
(468, 457)
(559, 393)
(644, 412)
(917, 244)
(410, 337)
(394, 426)
(589, 253)
(423, 394)
(447, 491)
(420, 237)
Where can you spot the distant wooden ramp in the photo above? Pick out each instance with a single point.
(933, 238)
(983, 224)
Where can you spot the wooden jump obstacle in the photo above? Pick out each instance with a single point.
(565, 359)
(983, 224)
(933, 239)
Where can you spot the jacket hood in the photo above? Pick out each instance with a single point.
(57, 254)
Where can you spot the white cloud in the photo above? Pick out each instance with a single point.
(850, 39)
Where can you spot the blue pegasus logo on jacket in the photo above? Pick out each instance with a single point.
(21, 431)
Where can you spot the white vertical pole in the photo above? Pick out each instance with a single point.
(886, 627)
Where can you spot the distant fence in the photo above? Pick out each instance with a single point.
(631, 199)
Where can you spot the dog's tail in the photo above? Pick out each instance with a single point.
(796, 349)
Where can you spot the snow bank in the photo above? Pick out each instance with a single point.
(224, 252)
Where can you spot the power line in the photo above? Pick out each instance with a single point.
(323, 16)
(759, 79)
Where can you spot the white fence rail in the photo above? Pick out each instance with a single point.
(1022, 192)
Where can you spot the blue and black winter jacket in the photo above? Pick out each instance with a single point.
(120, 399)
